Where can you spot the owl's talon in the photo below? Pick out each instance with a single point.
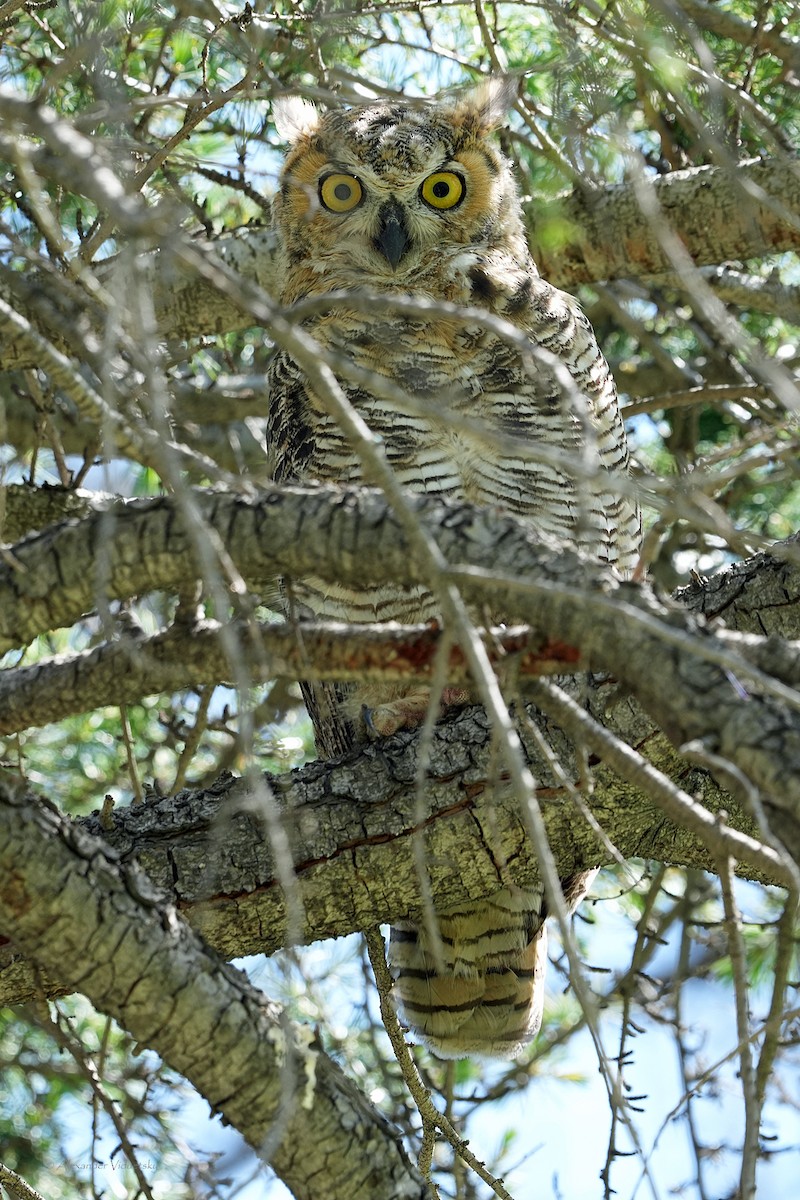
(366, 716)
(407, 712)
(382, 721)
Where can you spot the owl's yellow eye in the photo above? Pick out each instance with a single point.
(443, 189)
(340, 193)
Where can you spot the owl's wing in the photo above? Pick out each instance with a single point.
(562, 399)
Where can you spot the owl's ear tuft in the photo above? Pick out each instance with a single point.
(295, 118)
(486, 106)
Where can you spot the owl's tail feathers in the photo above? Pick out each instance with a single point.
(486, 995)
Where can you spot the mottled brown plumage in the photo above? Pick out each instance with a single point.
(414, 198)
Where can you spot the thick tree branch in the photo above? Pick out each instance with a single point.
(193, 653)
(760, 34)
(759, 594)
(754, 208)
(99, 927)
(50, 579)
(683, 676)
(351, 828)
(190, 654)
(26, 509)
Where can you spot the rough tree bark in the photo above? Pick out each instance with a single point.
(102, 929)
(679, 673)
(346, 823)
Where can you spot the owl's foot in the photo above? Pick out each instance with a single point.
(408, 712)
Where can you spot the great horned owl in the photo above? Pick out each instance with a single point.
(414, 198)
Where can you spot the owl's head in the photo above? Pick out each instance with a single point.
(395, 194)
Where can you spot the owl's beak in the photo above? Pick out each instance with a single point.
(393, 237)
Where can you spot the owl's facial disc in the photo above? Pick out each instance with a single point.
(392, 239)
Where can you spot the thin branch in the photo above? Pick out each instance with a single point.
(195, 115)
(703, 395)
(89, 1070)
(785, 953)
(422, 1098)
(188, 655)
(753, 1103)
(699, 1082)
(682, 972)
(641, 952)
(130, 757)
(15, 1184)
(677, 804)
(193, 738)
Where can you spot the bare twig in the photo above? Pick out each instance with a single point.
(753, 1103)
(422, 1098)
